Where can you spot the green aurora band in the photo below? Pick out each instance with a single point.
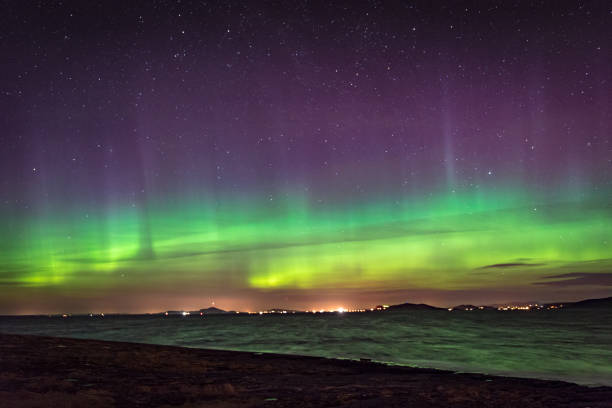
(445, 242)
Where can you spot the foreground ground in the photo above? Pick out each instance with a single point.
(58, 372)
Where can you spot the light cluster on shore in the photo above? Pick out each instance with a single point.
(528, 307)
(339, 310)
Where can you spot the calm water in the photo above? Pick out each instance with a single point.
(570, 345)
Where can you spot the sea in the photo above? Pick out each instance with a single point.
(570, 345)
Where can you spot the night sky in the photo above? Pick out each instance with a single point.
(304, 154)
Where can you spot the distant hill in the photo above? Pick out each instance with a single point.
(413, 306)
(472, 307)
(465, 307)
(213, 310)
(603, 303)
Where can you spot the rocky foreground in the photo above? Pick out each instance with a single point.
(59, 372)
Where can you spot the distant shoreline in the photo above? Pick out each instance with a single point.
(48, 371)
(598, 303)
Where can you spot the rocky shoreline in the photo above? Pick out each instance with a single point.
(40, 371)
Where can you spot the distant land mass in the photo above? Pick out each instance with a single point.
(413, 306)
(602, 303)
(214, 310)
(472, 307)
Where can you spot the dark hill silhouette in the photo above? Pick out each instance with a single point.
(603, 303)
(414, 306)
(213, 310)
(473, 307)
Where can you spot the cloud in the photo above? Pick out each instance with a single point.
(578, 278)
(13, 283)
(12, 275)
(510, 265)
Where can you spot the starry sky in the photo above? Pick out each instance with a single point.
(170, 154)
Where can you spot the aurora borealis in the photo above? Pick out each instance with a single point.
(303, 154)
